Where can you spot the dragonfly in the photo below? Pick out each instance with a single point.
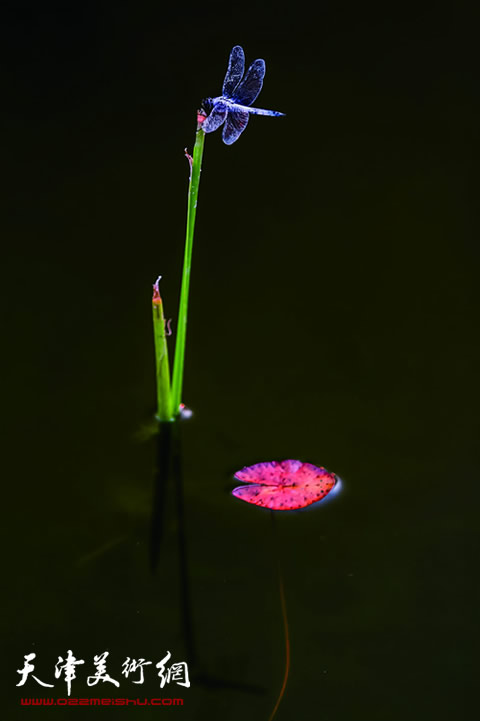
(232, 108)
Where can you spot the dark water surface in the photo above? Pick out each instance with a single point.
(333, 319)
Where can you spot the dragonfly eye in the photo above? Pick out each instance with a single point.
(207, 105)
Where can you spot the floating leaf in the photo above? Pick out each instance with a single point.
(284, 485)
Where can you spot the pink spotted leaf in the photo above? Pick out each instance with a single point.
(284, 485)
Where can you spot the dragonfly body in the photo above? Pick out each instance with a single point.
(233, 108)
(243, 108)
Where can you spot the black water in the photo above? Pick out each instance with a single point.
(333, 319)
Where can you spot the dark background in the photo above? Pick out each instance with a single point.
(333, 319)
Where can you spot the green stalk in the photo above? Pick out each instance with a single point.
(178, 364)
(164, 395)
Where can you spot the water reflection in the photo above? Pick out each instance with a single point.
(168, 480)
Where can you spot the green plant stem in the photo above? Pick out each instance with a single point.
(164, 396)
(178, 364)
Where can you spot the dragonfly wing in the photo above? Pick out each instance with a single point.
(235, 70)
(215, 119)
(235, 125)
(247, 91)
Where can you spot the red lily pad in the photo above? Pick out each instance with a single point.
(284, 485)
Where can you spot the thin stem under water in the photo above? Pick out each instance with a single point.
(283, 604)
